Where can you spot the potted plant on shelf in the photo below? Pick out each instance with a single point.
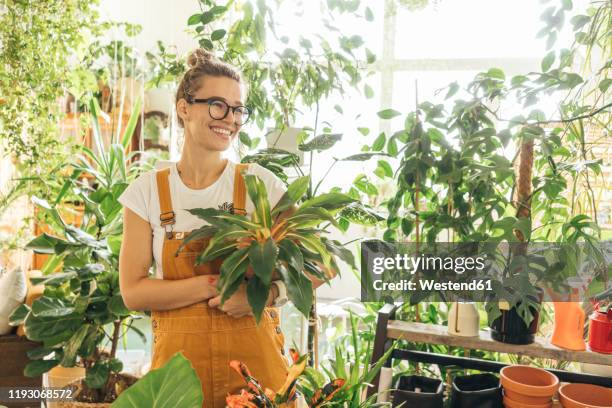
(266, 244)
(81, 310)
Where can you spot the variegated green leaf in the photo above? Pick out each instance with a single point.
(257, 294)
(259, 196)
(263, 259)
(233, 269)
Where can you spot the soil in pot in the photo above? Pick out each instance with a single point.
(418, 391)
(585, 396)
(480, 390)
(93, 397)
(528, 385)
(510, 327)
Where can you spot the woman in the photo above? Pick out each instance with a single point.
(187, 315)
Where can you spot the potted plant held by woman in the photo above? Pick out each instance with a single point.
(284, 242)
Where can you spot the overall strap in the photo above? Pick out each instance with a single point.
(167, 216)
(239, 189)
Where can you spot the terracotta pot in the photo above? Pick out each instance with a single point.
(585, 396)
(600, 332)
(508, 403)
(529, 385)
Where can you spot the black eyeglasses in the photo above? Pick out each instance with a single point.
(219, 109)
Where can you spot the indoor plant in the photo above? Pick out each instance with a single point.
(267, 242)
(73, 316)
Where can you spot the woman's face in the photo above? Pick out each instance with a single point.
(201, 129)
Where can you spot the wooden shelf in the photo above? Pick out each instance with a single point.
(436, 334)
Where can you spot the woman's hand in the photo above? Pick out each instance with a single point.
(210, 286)
(238, 304)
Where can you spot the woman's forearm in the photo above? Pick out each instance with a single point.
(158, 294)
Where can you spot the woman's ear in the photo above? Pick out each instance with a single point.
(181, 109)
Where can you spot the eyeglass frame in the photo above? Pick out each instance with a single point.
(192, 100)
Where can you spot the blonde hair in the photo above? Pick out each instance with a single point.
(202, 63)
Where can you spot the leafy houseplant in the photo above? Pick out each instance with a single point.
(81, 301)
(469, 191)
(265, 243)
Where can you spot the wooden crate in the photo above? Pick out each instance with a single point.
(13, 359)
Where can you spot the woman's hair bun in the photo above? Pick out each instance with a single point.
(200, 56)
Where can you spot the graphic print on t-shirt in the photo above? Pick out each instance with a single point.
(227, 206)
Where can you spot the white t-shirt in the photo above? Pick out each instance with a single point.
(141, 197)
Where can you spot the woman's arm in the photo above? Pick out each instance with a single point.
(140, 292)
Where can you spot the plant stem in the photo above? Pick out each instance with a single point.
(115, 340)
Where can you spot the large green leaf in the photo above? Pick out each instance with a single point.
(54, 279)
(259, 196)
(38, 367)
(48, 244)
(329, 201)
(257, 294)
(215, 249)
(299, 288)
(51, 307)
(41, 328)
(132, 122)
(294, 193)
(311, 217)
(290, 253)
(73, 345)
(263, 259)
(175, 385)
(320, 143)
(210, 216)
(19, 315)
(233, 269)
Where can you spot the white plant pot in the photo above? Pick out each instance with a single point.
(287, 140)
(463, 320)
(59, 377)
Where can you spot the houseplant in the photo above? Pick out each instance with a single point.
(468, 191)
(79, 303)
(267, 243)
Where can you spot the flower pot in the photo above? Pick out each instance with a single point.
(585, 396)
(510, 327)
(463, 320)
(480, 390)
(60, 377)
(508, 403)
(600, 332)
(417, 391)
(528, 385)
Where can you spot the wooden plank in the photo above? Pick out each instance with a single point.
(437, 334)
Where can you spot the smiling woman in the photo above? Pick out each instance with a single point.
(186, 311)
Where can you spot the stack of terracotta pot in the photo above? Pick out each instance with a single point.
(528, 387)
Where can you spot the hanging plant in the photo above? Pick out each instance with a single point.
(284, 240)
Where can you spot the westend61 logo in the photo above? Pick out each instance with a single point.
(473, 271)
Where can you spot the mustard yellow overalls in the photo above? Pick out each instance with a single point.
(208, 337)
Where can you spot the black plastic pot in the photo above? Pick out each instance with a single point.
(480, 390)
(416, 391)
(510, 327)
